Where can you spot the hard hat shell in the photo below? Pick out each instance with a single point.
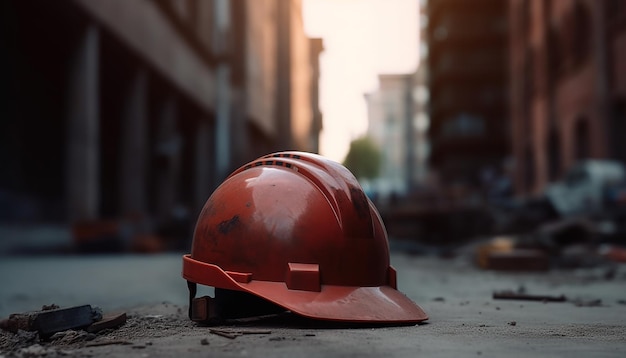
(297, 230)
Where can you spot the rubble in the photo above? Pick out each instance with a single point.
(131, 332)
(45, 332)
(579, 221)
(49, 321)
(502, 254)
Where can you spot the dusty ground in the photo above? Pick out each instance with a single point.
(464, 318)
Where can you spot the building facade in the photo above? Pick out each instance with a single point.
(117, 108)
(465, 50)
(420, 153)
(568, 86)
(392, 127)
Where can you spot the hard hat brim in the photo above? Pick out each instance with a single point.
(380, 304)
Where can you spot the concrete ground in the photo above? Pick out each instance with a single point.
(465, 321)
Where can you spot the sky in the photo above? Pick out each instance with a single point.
(362, 38)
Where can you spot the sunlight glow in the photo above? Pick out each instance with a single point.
(362, 38)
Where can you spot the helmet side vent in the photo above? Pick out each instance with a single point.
(284, 155)
(279, 163)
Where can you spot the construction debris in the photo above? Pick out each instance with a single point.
(519, 260)
(232, 334)
(502, 254)
(60, 324)
(511, 295)
(107, 322)
(223, 334)
(50, 321)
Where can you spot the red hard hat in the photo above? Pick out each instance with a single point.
(297, 230)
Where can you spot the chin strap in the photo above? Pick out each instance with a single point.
(193, 289)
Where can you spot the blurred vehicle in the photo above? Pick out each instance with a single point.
(591, 186)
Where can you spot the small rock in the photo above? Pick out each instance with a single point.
(204, 342)
(277, 339)
(512, 323)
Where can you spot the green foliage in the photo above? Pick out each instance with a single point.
(363, 158)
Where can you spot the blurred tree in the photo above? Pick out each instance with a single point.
(363, 158)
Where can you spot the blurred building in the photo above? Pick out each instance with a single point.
(420, 124)
(140, 108)
(568, 86)
(395, 117)
(465, 50)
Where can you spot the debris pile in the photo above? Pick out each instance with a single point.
(52, 330)
(574, 223)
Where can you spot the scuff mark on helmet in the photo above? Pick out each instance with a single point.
(227, 226)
